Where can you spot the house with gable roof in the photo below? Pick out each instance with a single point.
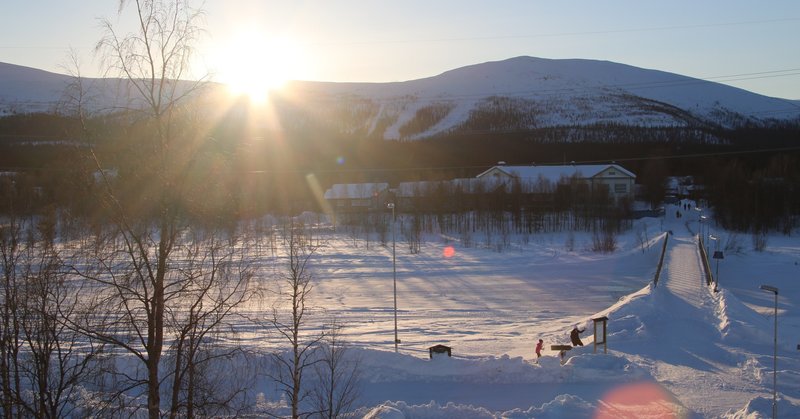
(356, 197)
(619, 181)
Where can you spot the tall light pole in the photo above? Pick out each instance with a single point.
(717, 255)
(703, 242)
(394, 275)
(774, 290)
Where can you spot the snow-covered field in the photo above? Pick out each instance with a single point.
(674, 350)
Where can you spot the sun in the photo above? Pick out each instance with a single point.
(254, 64)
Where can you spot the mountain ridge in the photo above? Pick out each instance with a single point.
(578, 92)
(520, 93)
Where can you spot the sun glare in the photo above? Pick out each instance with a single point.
(253, 64)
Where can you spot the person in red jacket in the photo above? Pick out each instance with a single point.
(539, 350)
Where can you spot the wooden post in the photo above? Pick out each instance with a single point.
(602, 320)
(562, 351)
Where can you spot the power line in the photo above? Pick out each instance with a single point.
(558, 34)
(481, 167)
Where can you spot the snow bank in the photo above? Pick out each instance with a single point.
(761, 408)
(581, 366)
(740, 324)
(384, 412)
(563, 406)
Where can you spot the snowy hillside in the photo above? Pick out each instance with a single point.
(674, 350)
(24, 89)
(516, 94)
(27, 90)
(527, 92)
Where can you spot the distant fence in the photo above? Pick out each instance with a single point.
(661, 259)
(704, 256)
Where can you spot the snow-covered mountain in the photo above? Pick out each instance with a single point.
(29, 90)
(516, 94)
(25, 89)
(528, 93)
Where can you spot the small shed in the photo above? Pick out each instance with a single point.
(439, 349)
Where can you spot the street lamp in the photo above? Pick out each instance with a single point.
(774, 290)
(717, 255)
(703, 240)
(394, 275)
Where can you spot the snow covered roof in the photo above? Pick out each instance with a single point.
(355, 190)
(556, 173)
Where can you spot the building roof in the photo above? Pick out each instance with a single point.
(355, 190)
(556, 173)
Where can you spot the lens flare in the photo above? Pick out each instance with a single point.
(448, 252)
(639, 400)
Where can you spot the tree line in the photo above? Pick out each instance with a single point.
(493, 214)
(119, 293)
(755, 199)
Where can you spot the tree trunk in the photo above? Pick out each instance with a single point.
(156, 326)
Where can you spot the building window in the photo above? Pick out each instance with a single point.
(620, 188)
(611, 173)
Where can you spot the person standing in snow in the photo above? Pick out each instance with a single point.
(575, 337)
(539, 350)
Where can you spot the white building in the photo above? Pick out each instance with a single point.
(356, 197)
(619, 180)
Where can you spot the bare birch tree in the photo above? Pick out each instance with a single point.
(152, 62)
(58, 360)
(289, 320)
(43, 364)
(159, 293)
(10, 342)
(338, 374)
(217, 283)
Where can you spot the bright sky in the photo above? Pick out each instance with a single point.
(752, 45)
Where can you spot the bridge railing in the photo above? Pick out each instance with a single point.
(706, 266)
(661, 259)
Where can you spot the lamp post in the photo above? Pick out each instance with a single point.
(717, 255)
(774, 290)
(394, 275)
(702, 221)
